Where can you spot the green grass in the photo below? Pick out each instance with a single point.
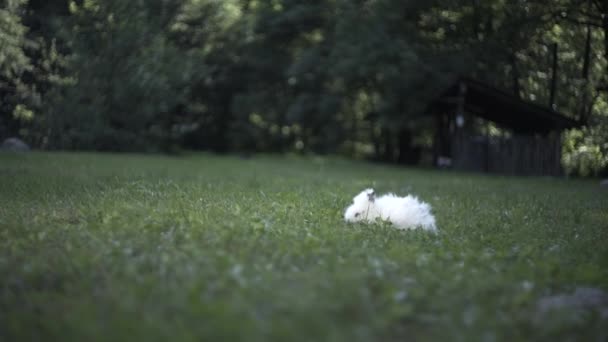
(206, 248)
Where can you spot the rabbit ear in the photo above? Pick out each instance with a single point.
(371, 196)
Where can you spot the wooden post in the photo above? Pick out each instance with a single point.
(553, 77)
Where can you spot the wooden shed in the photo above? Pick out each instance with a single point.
(483, 128)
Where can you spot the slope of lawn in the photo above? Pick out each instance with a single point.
(206, 248)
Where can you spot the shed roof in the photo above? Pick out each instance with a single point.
(507, 110)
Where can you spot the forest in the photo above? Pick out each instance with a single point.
(344, 77)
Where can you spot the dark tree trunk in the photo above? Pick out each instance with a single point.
(587, 56)
(515, 75)
(220, 140)
(605, 27)
(408, 153)
(585, 103)
(389, 147)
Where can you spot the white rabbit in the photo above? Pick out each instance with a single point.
(403, 212)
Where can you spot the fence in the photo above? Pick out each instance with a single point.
(516, 155)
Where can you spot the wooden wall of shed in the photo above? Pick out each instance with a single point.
(515, 155)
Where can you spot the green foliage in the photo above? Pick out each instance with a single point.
(586, 152)
(13, 64)
(129, 79)
(30, 66)
(126, 247)
(13, 61)
(322, 76)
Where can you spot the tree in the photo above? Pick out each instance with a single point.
(14, 63)
(322, 76)
(129, 79)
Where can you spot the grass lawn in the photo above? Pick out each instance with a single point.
(206, 248)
